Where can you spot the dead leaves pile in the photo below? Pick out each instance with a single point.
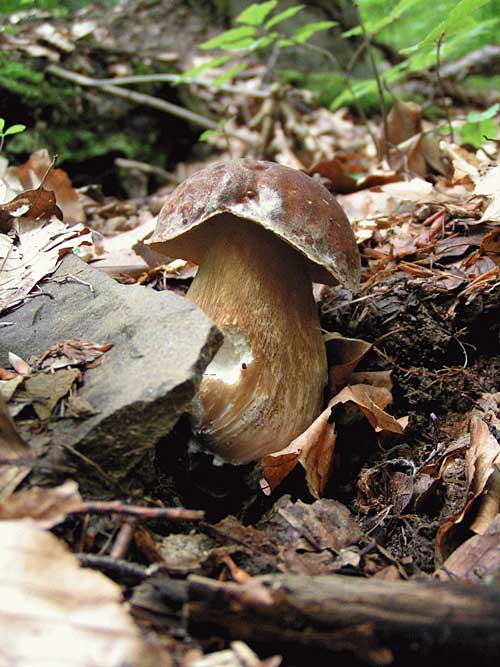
(33, 238)
(356, 397)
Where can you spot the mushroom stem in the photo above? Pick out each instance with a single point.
(265, 385)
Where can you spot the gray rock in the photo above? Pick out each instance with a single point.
(162, 344)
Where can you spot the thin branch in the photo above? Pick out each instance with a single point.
(377, 79)
(441, 86)
(118, 507)
(174, 78)
(145, 168)
(141, 98)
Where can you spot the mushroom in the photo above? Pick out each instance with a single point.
(260, 233)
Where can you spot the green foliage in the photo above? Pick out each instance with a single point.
(30, 85)
(254, 33)
(413, 30)
(76, 145)
(480, 127)
(6, 131)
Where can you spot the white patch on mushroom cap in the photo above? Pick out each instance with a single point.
(264, 208)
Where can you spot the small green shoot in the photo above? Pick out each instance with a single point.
(5, 132)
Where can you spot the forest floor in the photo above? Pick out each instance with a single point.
(399, 483)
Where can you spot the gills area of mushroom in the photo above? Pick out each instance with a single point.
(265, 386)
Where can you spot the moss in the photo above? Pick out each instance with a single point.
(30, 85)
(75, 145)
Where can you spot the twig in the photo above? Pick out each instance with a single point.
(160, 173)
(377, 79)
(123, 539)
(141, 98)
(118, 507)
(441, 85)
(174, 78)
(114, 567)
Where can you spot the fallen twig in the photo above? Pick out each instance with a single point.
(141, 98)
(118, 507)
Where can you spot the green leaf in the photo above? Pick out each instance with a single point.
(2, 124)
(256, 13)
(473, 117)
(228, 39)
(475, 133)
(307, 31)
(14, 129)
(283, 16)
(205, 136)
(286, 42)
(454, 22)
(191, 73)
(228, 75)
(262, 42)
(373, 27)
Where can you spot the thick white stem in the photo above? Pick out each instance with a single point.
(265, 385)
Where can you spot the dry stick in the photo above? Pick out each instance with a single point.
(140, 98)
(174, 78)
(378, 81)
(441, 85)
(123, 539)
(145, 168)
(118, 507)
(376, 617)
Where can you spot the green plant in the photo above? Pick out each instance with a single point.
(6, 131)
(480, 127)
(412, 32)
(255, 32)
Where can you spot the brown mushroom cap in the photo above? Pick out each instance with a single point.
(284, 201)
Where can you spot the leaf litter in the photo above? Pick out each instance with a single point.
(407, 460)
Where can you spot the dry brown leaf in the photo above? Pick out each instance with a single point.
(339, 171)
(313, 449)
(371, 401)
(490, 245)
(12, 447)
(475, 558)
(56, 613)
(482, 460)
(344, 354)
(404, 120)
(374, 378)
(30, 175)
(31, 204)
(46, 507)
(38, 253)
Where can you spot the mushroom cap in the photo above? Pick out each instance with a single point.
(292, 205)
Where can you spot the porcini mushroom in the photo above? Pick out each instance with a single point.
(260, 233)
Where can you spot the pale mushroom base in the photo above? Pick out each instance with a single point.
(265, 385)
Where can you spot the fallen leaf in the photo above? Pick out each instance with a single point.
(46, 507)
(344, 354)
(12, 447)
(30, 175)
(36, 255)
(371, 401)
(476, 558)
(404, 120)
(313, 449)
(490, 245)
(44, 390)
(482, 502)
(54, 612)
